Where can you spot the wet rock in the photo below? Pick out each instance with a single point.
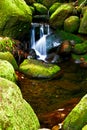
(32, 54)
(71, 24)
(58, 17)
(78, 115)
(9, 57)
(15, 18)
(38, 69)
(65, 50)
(7, 71)
(15, 112)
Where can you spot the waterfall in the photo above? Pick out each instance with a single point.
(41, 31)
(33, 37)
(40, 45)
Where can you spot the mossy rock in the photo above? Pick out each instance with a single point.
(15, 18)
(40, 8)
(6, 44)
(77, 118)
(7, 71)
(54, 7)
(71, 24)
(58, 17)
(62, 35)
(80, 48)
(38, 69)
(79, 57)
(15, 112)
(83, 24)
(9, 57)
(85, 127)
(47, 3)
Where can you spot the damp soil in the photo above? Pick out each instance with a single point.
(53, 99)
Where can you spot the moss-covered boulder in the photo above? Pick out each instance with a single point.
(77, 118)
(58, 17)
(15, 18)
(54, 7)
(7, 71)
(6, 44)
(15, 112)
(83, 24)
(38, 69)
(71, 24)
(9, 57)
(85, 127)
(80, 48)
(40, 9)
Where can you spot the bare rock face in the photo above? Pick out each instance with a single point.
(15, 112)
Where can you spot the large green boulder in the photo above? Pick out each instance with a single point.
(9, 57)
(77, 118)
(85, 127)
(71, 24)
(40, 8)
(54, 7)
(38, 69)
(58, 17)
(15, 18)
(7, 71)
(83, 24)
(15, 112)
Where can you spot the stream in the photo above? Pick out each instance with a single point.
(52, 100)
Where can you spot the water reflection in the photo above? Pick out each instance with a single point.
(52, 100)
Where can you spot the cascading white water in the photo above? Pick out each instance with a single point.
(33, 38)
(40, 45)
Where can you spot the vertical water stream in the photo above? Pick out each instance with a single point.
(40, 45)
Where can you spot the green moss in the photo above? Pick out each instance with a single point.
(9, 57)
(15, 112)
(83, 24)
(77, 116)
(38, 69)
(58, 17)
(79, 57)
(41, 9)
(54, 7)
(71, 24)
(80, 48)
(7, 71)
(6, 44)
(68, 36)
(12, 15)
(85, 127)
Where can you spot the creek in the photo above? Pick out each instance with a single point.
(53, 99)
